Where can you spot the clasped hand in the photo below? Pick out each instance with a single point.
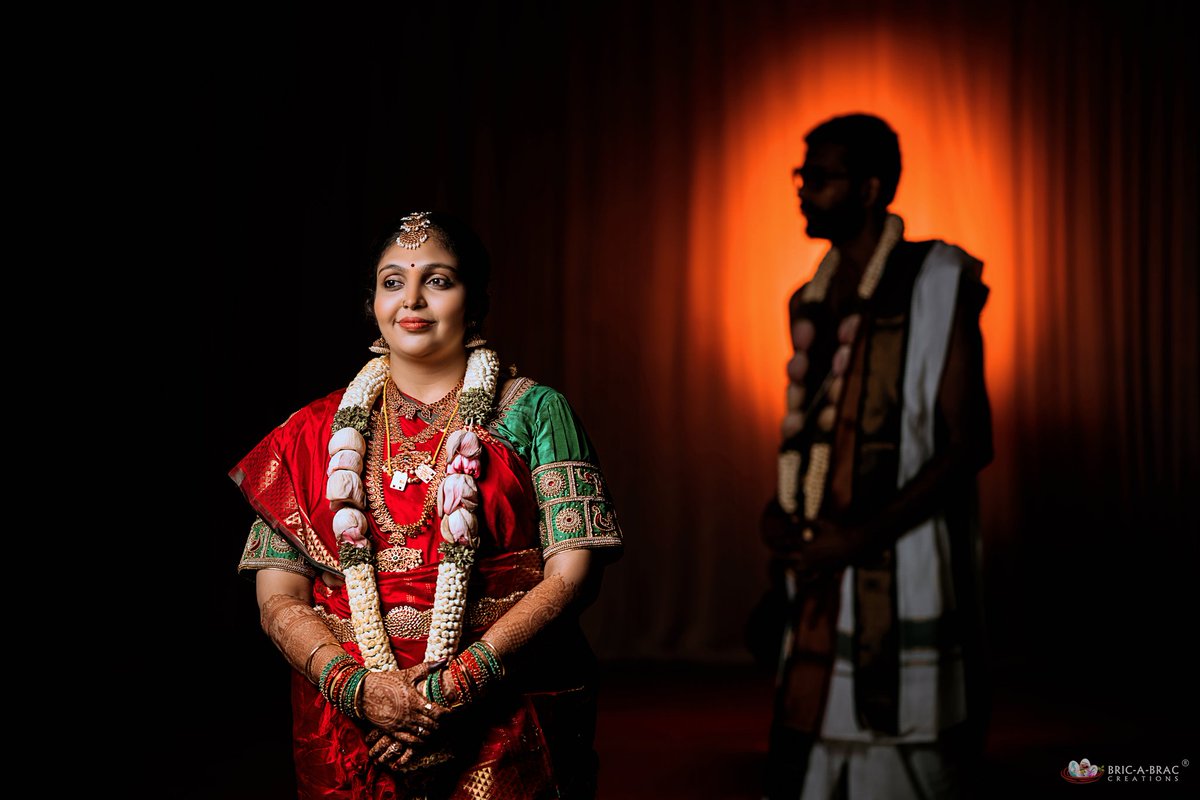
(403, 717)
(831, 547)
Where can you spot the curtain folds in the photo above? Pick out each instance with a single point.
(629, 166)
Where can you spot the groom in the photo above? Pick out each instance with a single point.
(874, 531)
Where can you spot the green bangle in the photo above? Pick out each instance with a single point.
(333, 662)
(357, 702)
(490, 657)
(351, 691)
(433, 685)
(332, 690)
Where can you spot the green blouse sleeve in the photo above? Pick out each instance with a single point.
(573, 501)
(266, 549)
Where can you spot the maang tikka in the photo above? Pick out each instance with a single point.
(413, 230)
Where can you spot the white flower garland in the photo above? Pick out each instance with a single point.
(369, 630)
(789, 480)
(893, 230)
(367, 385)
(347, 451)
(449, 602)
(482, 368)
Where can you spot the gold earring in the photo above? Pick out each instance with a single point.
(380, 346)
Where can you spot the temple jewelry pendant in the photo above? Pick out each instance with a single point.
(425, 473)
(400, 480)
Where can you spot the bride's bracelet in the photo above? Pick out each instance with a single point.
(308, 664)
(341, 684)
(470, 675)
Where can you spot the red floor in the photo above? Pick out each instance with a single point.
(701, 732)
(682, 732)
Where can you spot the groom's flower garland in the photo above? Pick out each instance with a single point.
(831, 388)
(458, 497)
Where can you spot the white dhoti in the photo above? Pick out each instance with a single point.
(932, 685)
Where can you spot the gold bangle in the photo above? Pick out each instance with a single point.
(311, 656)
(495, 655)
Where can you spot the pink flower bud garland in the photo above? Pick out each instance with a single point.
(458, 498)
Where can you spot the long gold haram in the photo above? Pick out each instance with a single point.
(379, 450)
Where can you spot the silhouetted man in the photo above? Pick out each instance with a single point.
(873, 531)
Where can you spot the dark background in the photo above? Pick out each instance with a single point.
(569, 136)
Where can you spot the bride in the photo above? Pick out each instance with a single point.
(425, 540)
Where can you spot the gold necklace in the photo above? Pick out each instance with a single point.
(414, 464)
(379, 461)
(409, 408)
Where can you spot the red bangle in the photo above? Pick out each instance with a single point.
(474, 669)
(464, 664)
(460, 682)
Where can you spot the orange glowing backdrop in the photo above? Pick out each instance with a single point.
(956, 185)
(675, 335)
(1052, 140)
